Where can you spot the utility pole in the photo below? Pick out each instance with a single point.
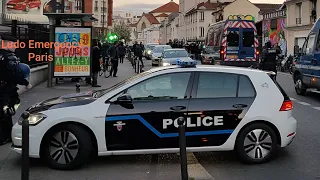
(83, 11)
(103, 16)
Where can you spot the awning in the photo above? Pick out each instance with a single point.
(72, 17)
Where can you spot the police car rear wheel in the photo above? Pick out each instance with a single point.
(256, 143)
(67, 147)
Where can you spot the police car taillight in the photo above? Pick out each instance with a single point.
(286, 105)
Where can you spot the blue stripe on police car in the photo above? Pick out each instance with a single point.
(166, 135)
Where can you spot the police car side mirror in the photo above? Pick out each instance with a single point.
(124, 99)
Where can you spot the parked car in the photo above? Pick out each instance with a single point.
(148, 50)
(170, 56)
(157, 52)
(23, 5)
(210, 55)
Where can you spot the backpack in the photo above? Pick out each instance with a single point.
(138, 50)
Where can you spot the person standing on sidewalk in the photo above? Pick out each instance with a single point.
(96, 57)
(122, 52)
(114, 55)
(138, 52)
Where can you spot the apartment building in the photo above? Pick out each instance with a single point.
(184, 7)
(198, 19)
(100, 11)
(128, 17)
(151, 35)
(301, 15)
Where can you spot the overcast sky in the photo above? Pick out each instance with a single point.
(147, 5)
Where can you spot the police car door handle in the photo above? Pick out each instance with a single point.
(178, 108)
(239, 106)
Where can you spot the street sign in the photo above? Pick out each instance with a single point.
(72, 52)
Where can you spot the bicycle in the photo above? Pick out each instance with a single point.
(105, 67)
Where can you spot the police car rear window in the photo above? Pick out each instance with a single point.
(273, 77)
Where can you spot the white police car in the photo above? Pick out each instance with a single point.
(226, 108)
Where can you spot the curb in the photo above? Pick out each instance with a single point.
(196, 170)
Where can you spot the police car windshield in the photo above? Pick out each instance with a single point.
(100, 93)
(175, 54)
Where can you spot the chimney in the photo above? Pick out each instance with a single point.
(110, 12)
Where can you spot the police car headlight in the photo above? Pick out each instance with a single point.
(166, 64)
(33, 119)
(149, 52)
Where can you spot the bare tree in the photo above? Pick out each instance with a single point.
(122, 30)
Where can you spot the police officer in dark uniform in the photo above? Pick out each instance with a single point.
(12, 73)
(114, 55)
(269, 58)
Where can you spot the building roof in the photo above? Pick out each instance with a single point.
(162, 15)
(208, 5)
(265, 8)
(169, 7)
(172, 16)
(151, 18)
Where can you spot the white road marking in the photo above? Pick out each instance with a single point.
(293, 99)
(195, 170)
(317, 108)
(303, 103)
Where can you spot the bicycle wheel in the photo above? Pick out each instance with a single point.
(108, 66)
(101, 70)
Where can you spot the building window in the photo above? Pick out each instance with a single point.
(78, 5)
(201, 31)
(201, 16)
(299, 13)
(103, 18)
(96, 6)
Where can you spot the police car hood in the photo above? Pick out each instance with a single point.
(76, 99)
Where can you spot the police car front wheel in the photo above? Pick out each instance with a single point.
(66, 147)
(256, 143)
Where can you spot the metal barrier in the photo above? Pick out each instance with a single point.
(25, 164)
(24, 32)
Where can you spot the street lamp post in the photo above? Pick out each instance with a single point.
(83, 11)
(103, 16)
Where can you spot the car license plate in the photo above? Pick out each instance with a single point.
(232, 57)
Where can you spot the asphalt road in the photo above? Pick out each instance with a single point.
(299, 161)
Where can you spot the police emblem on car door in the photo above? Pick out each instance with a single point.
(218, 104)
(153, 101)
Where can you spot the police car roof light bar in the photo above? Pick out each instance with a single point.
(186, 63)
